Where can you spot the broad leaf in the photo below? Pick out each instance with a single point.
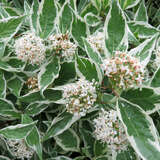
(146, 98)
(15, 85)
(140, 129)
(88, 69)
(9, 26)
(144, 50)
(142, 29)
(7, 109)
(72, 144)
(65, 18)
(33, 138)
(155, 82)
(79, 30)
(2, 85)
(141, 14)
(49, 72)
(60, 158)
(61, 123)
(18, 131)
(47, 17)
(92, 54)
(115, 39)
(126, 4)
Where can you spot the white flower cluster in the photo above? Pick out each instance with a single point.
(32, 84)
(80, 96)
(63, 46)
(110, 130)
(124, 71)
(97, 41)
(19, 149)
(30, 48)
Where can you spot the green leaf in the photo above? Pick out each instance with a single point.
(2, 85)
(92, 20)
(9, 26)
(18, 131)
(141, 14)
(47, 17)
(65, 18)
(2, 48)
(61, 123)
(6, 67)
(60, 158)
(92, 54)
(33, 138)
(89, 141)
(102, 158)
(115, 39)
(50, 95)
(4, 158)
(144, 50)
(142, 29)
(126, 4)
(155, 81)
(49, 72)
(15, 85)
(97, 4)
(146, 98)
(7, 109)
(3, 13)
(34, 16)
(34, 109)
(88, 69)
(72, 144)
(100, 148)
(79, 30)
(140, 129)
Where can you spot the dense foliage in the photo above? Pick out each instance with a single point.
(79, 79)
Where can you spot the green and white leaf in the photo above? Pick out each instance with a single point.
(88, 69)
(126, 4)
(7, 109)
(10, 26)
(78, 29)
(146, 98)
(3, 85)
(15, 85)
(144, 50)
(97, 4)
(155, 81)
(33, 138)
(142, 29)
(115, 38)
(71, 145)
(92, 53)
(141, 14)
(60, 158)
(60, 124)
(49, 72)
(65, 18)
(140, 130)
(18, 131)
(92, 20)
(47, 14)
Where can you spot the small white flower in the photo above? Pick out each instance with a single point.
(80, 96)
(30, 48)
(19, 149)
(63, 46)
(108, 129)
(97, 41)
(124, 71)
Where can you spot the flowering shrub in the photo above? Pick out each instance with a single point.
(79, 80)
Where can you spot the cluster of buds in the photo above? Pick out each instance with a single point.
(97, 41)
(124, 71)
(108, 129)
(80, 96)
(63, 46)
(30, 48)
(19, 149)
(32, 84)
